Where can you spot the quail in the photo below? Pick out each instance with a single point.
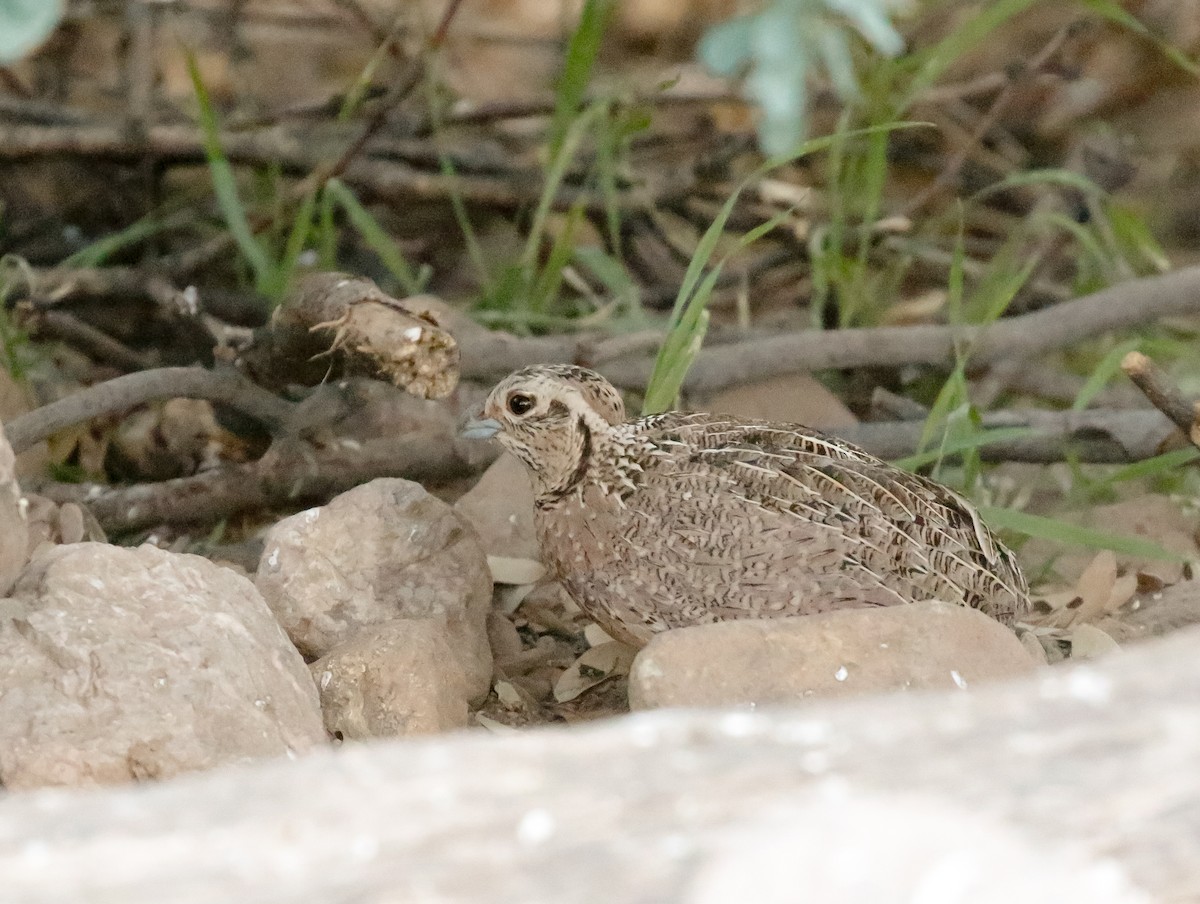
(682, 519)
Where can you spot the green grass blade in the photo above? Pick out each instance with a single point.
(375, 236)
(225, 184)
(554, 177)
(1114, 12)
(971, 32)
(1062, 178)
(302, 227)
(1108, 367)
(327, 235)
(686, 326)
(1154, 467)
(577, 69)
(99, 251)
(976, 440)
(546, 286)
(1073, 534)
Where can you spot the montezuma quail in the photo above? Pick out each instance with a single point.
(683, 519)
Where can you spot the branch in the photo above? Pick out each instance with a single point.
(1117, 307)
(1096, 436)
(292, 473)
(489, 355)
(221, 386)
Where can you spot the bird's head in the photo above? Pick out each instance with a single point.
(551, 417)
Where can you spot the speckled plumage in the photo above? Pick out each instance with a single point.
(682, 519)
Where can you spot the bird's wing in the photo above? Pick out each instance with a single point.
(899, 526)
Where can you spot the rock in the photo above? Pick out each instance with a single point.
(382, 551)
(399, 678)
(1169, 609)
(123, 664)
(14, 525)
(853, 651)
(793, 399)
(500, 508)
(52, 523)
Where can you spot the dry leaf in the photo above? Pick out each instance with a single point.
(595, 635)
(1095, 587)
(596, 665)
(1123, 591)
(515, 571)
(1088, 641)
(493, 726)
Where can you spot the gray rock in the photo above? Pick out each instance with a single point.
(399, 678)
(854, 651)
(14, 526)
(500, 508)
(382, 551)
(124, 664)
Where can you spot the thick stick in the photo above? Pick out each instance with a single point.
(223, 386)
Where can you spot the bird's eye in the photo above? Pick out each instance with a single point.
(520, 403)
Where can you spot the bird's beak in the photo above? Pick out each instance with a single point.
(480, 428)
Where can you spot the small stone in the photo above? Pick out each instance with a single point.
(52, 523)
(382, 551)
(503, 637)
(851, 651)
(395, 679)
(128, 664)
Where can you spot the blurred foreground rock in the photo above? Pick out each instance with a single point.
(383, 552)
(1075, 784)
(929, 645)
(127, 664)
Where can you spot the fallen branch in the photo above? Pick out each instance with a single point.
(291, 474)
(488, 355)
(1097, 436)
(1075, 785)
(224, 386)
(1117, 307)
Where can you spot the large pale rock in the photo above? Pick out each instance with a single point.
(500, 508)
(14, 526)
(401, 678)
(855, 651)
(120, 664)
(382, 551)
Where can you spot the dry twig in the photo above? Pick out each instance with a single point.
(1166, 397)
